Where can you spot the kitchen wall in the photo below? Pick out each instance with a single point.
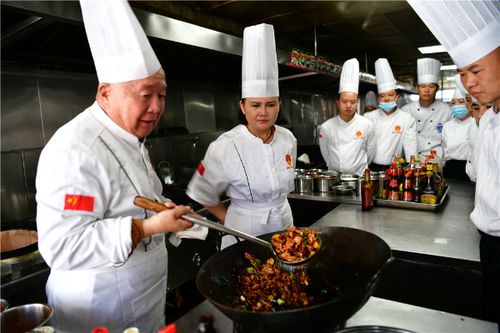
(36, 103)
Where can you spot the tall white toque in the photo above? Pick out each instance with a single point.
(383, 75)
(259, 67)
(459, 85)
(120, 48)
(467, 29)
(428, 70)
(349, 78)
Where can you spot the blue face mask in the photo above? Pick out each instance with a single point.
(459, 111)
(387, 106)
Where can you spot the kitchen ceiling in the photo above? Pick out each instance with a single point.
(338, 30)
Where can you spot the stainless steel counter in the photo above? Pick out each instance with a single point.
(327, 197)
(376, 311)
(445, 233)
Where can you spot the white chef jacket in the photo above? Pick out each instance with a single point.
(347, 147)
(455, 139)
(486, 213)
(96, 278)
(256, 177)
(472, 131)
(429, 122)
(394, 134)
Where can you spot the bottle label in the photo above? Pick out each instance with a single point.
(428, 199)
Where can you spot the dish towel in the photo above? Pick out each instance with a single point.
(195, 232)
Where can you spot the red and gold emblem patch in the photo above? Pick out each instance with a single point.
(397, 128)
(359, 134)
(79, 202)
(288, 159)
(200, 168)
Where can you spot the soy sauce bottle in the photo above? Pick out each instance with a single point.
(366, 192)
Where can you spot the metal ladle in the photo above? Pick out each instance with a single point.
(158, 207)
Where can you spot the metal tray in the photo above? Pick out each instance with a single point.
(412, 205)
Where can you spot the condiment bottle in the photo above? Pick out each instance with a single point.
(393, 192)
(429, 192)
(408, 187)
(417, 188)
(366, 192)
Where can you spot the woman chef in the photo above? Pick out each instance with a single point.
(252, 164)
(107, 257)
(455, 137)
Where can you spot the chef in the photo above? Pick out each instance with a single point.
(454, 136)
(394, 130)
(478, 110)
(108, 258)
(476, 52)
(370, 102)
(253, 164)
(347, 141)
(429, 113)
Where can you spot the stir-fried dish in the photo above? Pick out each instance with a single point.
(265, 287)
(296, 244)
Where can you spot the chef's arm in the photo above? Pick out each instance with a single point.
(219, 211)
(168, 220)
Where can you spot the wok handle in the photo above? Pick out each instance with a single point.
(157, 207)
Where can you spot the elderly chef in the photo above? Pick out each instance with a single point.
(347, 141)
(455, 139)
(476, 52)
(107, 257)
(429, 113)
(394, 129)
(252, 164)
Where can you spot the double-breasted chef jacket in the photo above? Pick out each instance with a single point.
(256, 177)
(455, 139)
(394, 134)
(486, 213)
(347, 147)
(429, 124)
(88, 175)
(472, 131)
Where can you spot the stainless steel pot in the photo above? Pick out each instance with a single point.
(323, 183)
(304, 184)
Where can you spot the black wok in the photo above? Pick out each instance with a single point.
(350, 259)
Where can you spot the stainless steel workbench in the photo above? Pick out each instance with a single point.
(376, 311)
(447, 232)
(327, 197)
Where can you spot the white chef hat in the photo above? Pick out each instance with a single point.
(459, 85)
(371, 99)
(428, 70)
(468, 30)
(383, 74)
(349, 78)
(458, 94)
(259, 67)
(120, 48)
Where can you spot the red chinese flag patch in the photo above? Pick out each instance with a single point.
(79, 202)
(201, 169)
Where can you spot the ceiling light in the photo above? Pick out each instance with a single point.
(432, 49)
(448, 67)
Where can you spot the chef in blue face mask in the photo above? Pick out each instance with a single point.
(455, 136)
(395, 130)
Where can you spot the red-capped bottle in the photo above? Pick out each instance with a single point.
(366, 192)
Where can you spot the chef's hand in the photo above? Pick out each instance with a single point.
(168, 220)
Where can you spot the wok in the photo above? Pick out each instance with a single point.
(350, 259)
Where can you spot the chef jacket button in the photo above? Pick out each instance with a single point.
(428, 143)
(418, 131)
(432, 109)
(431, 121)
(418, 109)
(418, 120)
